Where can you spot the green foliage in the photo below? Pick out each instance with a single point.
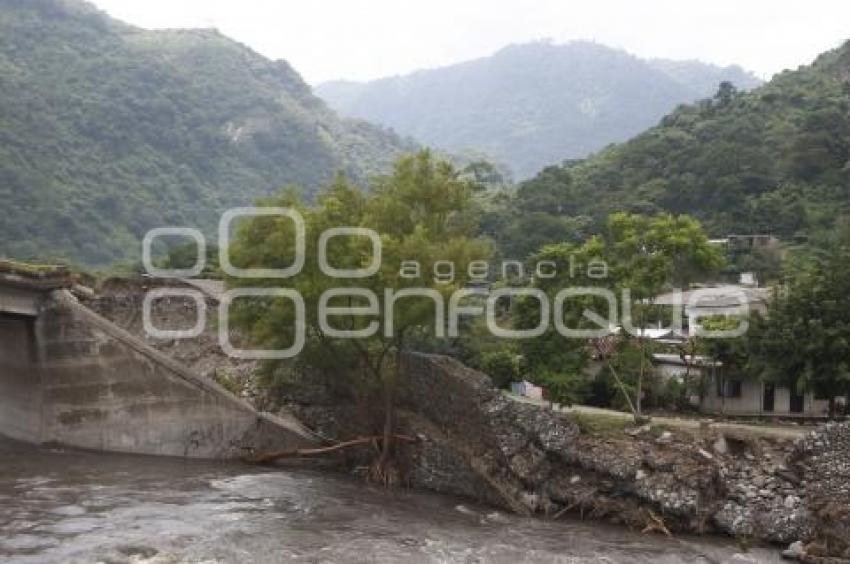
(563, 388)
(642, 254)
(769, 160)
(804, 341)
(502, 366)
(108, 130)
(649, 253)
(185, 255)
(423, 212)
(552, 360)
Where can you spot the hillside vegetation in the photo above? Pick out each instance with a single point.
(533, 104)
(107, 130)
(773, 160)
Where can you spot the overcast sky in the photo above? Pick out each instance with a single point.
(328, 39)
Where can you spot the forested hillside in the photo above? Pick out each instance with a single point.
(107, 130)
(772, 160)
(533, 104)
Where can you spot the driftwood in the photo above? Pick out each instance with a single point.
(656, 524)
(306, 452)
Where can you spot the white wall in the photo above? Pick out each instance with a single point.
(752, 396)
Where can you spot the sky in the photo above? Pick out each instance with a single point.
(366, 39)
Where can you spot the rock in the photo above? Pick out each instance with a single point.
(795, 551)
(640, 474)
(635, 431)
(83, 291)
(575, 479)
(720, 446)
(665, 437)
(788, 476)
(705, 454)
(791, 501)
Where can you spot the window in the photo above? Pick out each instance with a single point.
(731, 388)
(734, 388)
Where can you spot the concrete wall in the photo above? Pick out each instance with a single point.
(20, 384)
(71, 377)
(749, 402)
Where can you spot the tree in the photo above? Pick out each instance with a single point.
(422, 212)
(804, 341)
(554, 361)
(642, 255)
(726, 92)
(648, 254)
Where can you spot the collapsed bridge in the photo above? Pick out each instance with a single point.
(69, 376)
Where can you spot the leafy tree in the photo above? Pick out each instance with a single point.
(185, 255)
(422, 212)
(650, 254)
(804, 342)
(502, 366)
(553, 360)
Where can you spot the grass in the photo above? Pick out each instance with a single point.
(31, 269)
(599, 425)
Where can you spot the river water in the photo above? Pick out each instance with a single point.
(67, 506)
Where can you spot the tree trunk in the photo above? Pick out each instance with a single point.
(832, 406)
(389, 411)
(623, 391)
(386, 446)
(639, 391)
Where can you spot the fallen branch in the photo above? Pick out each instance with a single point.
(305, 452)
(566, 509)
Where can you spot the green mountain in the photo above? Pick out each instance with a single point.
(533, 104)
(107, 130)
(774, 159)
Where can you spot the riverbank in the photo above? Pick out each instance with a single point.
(530, 460)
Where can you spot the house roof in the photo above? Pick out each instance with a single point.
(693, 360)
(725, 296)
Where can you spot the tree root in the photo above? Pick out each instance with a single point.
(307, 452)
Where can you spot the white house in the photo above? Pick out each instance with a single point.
(712, 301)
(750, 396)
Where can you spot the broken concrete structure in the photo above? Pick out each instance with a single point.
(71, 377)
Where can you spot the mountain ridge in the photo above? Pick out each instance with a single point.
(529, 104)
